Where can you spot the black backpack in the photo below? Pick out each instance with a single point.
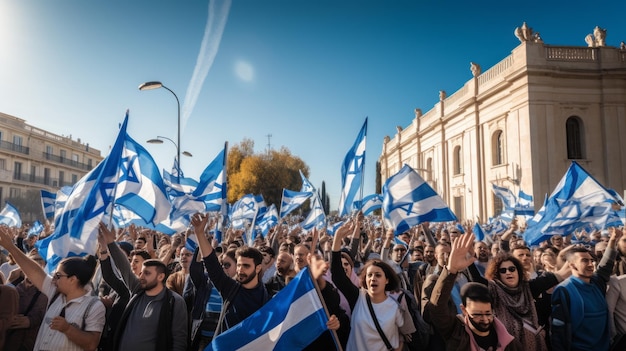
(421, 337)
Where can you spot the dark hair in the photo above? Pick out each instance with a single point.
(125, 246)
(82, 268)
(268, 250)
(142, 238)
(476, 292)
(142, 253)
(492, 270)
(521, 247)
(575, 249)
(160, 267)
(250, 252)
(230, 253)
(348, 258)
(390, 274)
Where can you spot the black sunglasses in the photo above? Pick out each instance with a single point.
(504, 269)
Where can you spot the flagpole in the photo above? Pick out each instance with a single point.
(333, 333)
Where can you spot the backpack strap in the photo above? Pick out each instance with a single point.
(92, 301)
(225, 305)
(376, 323)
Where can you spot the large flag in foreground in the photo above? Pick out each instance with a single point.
(352, 172)
(291, 320)
(10, 216)
(408, 201)
(577, 201)
(127, 174)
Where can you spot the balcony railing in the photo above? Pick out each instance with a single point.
(31, 178)
(66, 161)
(14, 147)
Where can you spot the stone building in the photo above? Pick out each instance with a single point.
(519, 125)
(32, 159)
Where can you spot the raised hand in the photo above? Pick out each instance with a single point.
(462, 254)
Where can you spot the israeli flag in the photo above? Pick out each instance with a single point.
(525, 206)
(505, 194)
(10, 216)
(577, 201)
(59, 203)
(212, 185)
(369, 204)
(140, 187)
(47, 203)
(177, 186)
(291, 320)
(248, 207)
(291, 200)
(269, 220)
(317, 217)
(307, 187)
(36, 229)
(408, 201)
(352, 172)
(76, 229)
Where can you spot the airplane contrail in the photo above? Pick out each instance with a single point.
(216, 21)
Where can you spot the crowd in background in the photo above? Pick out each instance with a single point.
(434, 287)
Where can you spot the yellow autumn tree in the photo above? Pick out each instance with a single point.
(263, 173)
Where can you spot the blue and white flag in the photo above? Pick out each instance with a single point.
(248, 207)
(291, 320)
(525, 206)
(212, 185)
(352, 172)
(317, 217)
(47, 203)
(478, 232)
(332, 228)
(291, 200)
(269, 220)
(307, 187)
(10, 216)
(59, 203)
(578, 200)
(369, 203)
(36, 229)
(76, 228)
(506, 195)
(177, 185)
(140, 187)
(408, 201)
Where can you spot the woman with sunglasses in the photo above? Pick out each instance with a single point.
(514, 296)
(74, 318)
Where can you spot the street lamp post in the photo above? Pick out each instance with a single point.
(156, 85)
(159, 140)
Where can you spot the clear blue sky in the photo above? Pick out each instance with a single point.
(306, 72)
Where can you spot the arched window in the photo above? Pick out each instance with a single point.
(574, 131)
(456, 159)
(497, 148)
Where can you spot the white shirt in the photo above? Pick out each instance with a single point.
(364, 335)
(48, 339)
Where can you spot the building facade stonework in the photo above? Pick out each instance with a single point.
(32, 159)
(519, 124)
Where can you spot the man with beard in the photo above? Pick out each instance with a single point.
(284, 271)
(155, 317)
(245, 294)
(477, 328)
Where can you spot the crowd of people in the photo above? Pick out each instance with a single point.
(433, 287)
